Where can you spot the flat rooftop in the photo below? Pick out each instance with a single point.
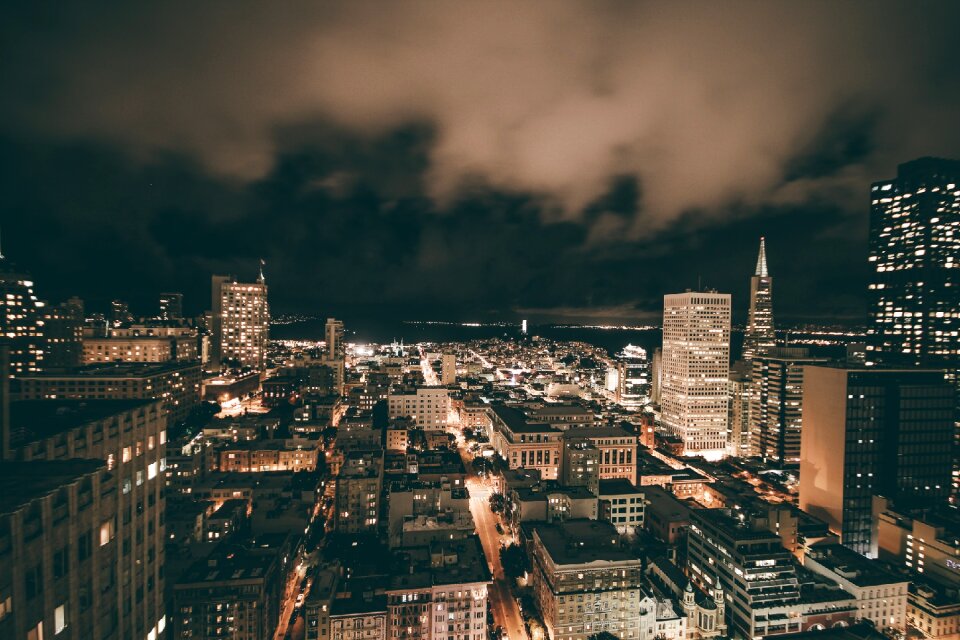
(116, 370)
(516, 421)
(582, 541)
(598, 432)
(39, 419)
(229, 563)
(856, 568)
(24, 482)
(618, 486)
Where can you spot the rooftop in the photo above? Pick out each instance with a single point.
(517, 422)
(598, 432)
(117, 370)
(582, 541)
(24, 482)
(226, 563)
(618, 486)
(44, 418)
(849, 564)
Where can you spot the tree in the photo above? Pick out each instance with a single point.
(514, 560)
(496, 502)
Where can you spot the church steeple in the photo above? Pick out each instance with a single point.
(762, 260)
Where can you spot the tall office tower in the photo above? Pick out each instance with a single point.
(873, 431)
(915, 262)
(738, 434)
(62, 330)
(695, 370)
(241, 322)
(633, 377)
(334, 337)
(759, 336)
(20, 317)
(171, 306)
(656, 367)
(448, 369)
(776, 400)
(120, 313)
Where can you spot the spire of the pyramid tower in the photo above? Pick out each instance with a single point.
(762, 260)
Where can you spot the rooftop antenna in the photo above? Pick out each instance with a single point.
(261, 280)
(699, 283)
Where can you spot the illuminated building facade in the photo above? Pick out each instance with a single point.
(125, 542)
(241, 322)
(633, 379)
(62, 329)
(914, 260)
(759, 336)
(695, 369)
(776, 400)
(20, 321)
(872, 431)
(171, 306)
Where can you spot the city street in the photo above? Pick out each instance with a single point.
(506, 612)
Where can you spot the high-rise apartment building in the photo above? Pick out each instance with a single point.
(873, 431)
(57, 540)
(20, 317)
(695, 369)
(428, 407)
(119, 525)
(171, 306)
(241, 322)
(759, 336)
(776, 400)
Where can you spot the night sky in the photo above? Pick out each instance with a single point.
(451, 160)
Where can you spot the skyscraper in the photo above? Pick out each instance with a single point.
(914, 257)
(334, 337)
(171, 306)
(872, 431)
(241, 322)
(776, 402)
(633, 377)
(20, 318)
(695, 370)
(759, 336)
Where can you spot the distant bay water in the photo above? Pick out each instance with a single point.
(384, 332)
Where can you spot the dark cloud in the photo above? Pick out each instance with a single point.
(461, 157)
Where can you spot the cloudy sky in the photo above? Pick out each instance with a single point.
(449, 159)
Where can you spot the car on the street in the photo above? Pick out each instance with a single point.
(499, 528)
(299, 601)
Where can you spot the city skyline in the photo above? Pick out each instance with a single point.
(486, 320)
(612, 174)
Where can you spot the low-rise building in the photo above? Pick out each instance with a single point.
(234, 593)
(297, 454)
(621, 504)
(881, 595)
(525, 444)
(442, 594)
(585, 582)
(359, 485)
(429, 407)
